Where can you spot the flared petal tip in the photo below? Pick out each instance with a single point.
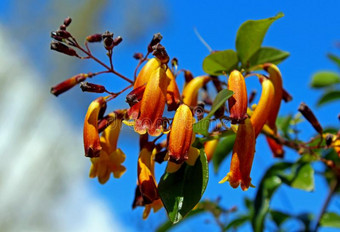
(235, 182)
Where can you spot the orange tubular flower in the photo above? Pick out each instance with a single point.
(190, 91)
(238, 102)
(263, 108)
(91, 137)
(180, 140)
(146, 181)
(153, 103)
(243, 155)
(110, 158)
(173, 97)
(276, 78)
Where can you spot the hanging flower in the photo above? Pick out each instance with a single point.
(173, 97)
(190, 91)
(111, 157)
(180, 140)
(239, 101)
(242, 158)
(90, 134)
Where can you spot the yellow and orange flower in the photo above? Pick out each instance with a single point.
(190, 91)
(180, 140)
(111, 158)
(90, 134)
(242, 158)
(239, 101)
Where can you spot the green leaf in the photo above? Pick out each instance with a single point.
(221, 61)
(328, 97)
(335, 59)
(279, 217)
(283, 124)
(268, 55)
(304, 178)
(330, 219)
(182, 190)
(237, 222)
(268, 185)
(250, 36)
(324, 79)
(223, 149)
(202, 126)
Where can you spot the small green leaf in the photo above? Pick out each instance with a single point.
(221, 61)
(304, 178)
(223, 149)
(324, 79)
(330, 219)
(250, 36)
(202, 126)
(182, 190)
(283, 124)
(268, 55)
(328, 97)
(335, 59)
(279, 217)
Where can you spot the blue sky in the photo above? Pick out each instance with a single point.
(309, 30)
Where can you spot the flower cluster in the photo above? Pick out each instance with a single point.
(154, 89)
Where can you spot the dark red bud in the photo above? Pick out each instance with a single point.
(309, 115)
(63, 34)
(105, 122)
(62, 27)
(155, 40)
(67, 21)
(117, 40)
(286, 96)
(135, 95)
(60, 47)
(94, 38)
(68, 84)
(108, 40)
(56, 37)
(138, 56)
(188, 76)
(160, 52)
(93, 88)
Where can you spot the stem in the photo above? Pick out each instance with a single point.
(333, 187)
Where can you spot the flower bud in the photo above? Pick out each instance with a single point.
(108, 40)
(238, 102)
(67, 21)
(63, 34)
(309, 115)
(94, 38)
(93, 88)
(68, 84)
(155, 40)
(138, 56)
(60, 47)
(117, 40)
(210, 147)
(160, 52)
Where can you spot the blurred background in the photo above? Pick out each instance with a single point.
(44, 184)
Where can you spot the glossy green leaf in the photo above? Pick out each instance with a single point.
(303, 177)
(182, 190)
(202, 126)
(279, 217)
(250, 36)
(237, 222)
(219, 62)
(335, 59)
(324, 79)
(329, 96)
(330, 219)
(268, 55)
(223, 149)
